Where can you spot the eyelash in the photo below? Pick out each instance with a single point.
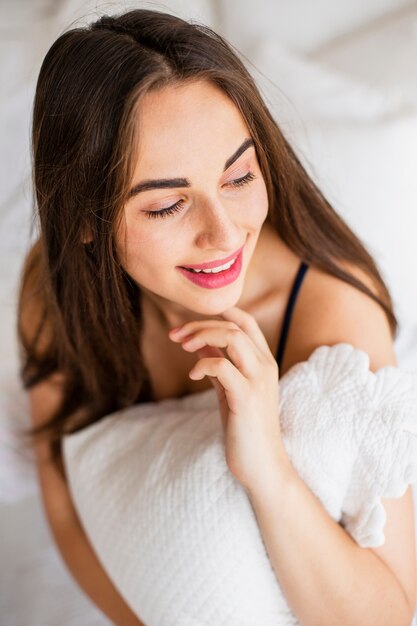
(239, 182)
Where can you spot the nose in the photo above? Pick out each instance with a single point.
(218, 228)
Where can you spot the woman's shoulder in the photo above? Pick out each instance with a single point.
(330, 311)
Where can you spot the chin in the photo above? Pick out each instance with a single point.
(219, 304)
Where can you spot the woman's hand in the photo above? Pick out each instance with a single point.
(247, 389)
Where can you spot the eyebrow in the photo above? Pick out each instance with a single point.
(172, 183)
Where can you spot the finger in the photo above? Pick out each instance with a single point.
(226, 373)
(208, 351)
(238, 346)
(249, 325)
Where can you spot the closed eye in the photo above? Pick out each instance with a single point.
(238, 182)
(242, 181)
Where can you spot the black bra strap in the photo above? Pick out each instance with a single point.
(288, 312)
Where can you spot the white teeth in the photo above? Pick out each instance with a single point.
(215, 270)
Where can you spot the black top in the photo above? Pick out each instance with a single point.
(288, 312)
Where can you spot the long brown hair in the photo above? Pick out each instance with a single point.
(89, 87)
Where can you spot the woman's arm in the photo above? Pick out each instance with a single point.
(63, 521)
(326, 576)
(61, 516)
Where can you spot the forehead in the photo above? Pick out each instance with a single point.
(179, 125)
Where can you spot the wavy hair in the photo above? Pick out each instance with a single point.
(89, 89)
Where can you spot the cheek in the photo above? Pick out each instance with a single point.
(133, 247)
(139, 238)
(258, 204)
(146, 253)
(153, 253)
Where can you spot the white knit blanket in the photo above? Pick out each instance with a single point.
(175, 530)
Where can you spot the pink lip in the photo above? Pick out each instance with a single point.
(217, 280)
(211, 264)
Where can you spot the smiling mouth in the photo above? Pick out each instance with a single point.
(214, 270)
(215, 279)
(220, 265)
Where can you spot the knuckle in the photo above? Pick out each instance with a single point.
(223, 364)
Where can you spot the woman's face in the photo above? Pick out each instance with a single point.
(198, 168)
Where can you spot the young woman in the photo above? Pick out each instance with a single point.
(155, 154)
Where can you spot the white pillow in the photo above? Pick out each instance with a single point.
(383, 54)
(177, 533)
(301, 25)
(86, 11)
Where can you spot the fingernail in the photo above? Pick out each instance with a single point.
(194, 375)
(175, 330)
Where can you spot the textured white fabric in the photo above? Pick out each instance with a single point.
(176, 531)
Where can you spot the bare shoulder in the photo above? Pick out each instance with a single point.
(330, 311)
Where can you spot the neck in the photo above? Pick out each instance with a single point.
(168, 314)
